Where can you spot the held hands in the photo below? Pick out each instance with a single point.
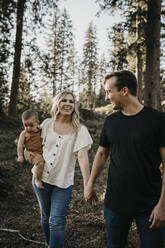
(157, 217)
(90, 195)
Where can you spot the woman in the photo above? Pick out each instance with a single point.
(64, 140)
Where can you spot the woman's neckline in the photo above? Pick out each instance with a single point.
(67, 134)
(60, 134)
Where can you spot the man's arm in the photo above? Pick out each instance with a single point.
(158, 214)
(20, 147)
(98, 164)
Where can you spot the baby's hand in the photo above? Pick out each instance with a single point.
(20, 159)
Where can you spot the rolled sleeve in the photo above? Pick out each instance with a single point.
(83, 139)
(44, 126)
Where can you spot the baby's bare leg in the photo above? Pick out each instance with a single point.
(38, 169)
(38, 163)
(28, 156)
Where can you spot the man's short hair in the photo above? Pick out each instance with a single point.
(29, 113)
(124, 79)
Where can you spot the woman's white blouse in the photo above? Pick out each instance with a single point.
(60, 153)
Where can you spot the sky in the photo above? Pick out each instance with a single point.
(82, 12)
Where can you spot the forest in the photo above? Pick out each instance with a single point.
(32, 73)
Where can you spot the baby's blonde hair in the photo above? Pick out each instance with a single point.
(55, 111)
(30, 113)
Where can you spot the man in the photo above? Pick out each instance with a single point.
(135, 138)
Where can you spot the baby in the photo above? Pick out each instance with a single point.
(31, 139)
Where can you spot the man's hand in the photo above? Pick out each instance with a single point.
(93, 200)
(157, 217)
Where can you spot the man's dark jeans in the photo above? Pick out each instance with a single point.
(117, 227)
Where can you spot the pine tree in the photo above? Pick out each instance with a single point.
(25, 98)
(102, 71)
(62, 52)
(66, 44)
(83, 98)
(130, 41)
(36, 10)
(90, 64)
(53, 56)
(147, 11)
(79, 76)
(118, 56)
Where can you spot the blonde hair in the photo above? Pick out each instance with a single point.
(55, 111)
(29, 113)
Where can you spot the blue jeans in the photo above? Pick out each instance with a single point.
(54, 203)
(117, 227)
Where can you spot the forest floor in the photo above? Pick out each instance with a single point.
(19, 208)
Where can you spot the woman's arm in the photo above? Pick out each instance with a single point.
(84, 164)
(98, 164)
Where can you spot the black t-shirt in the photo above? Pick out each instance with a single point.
(134, 179)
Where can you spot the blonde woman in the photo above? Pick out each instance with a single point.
(64, 140)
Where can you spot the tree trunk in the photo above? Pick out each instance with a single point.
(139, 60)
(139, 74)
(152, 78)
(17, 59)
(89, 92)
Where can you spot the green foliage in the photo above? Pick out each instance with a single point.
(100, 98)
(83, 99)
(132, 46)
(60, 59)
(44, 106)
(128, 36)
(118, 56)
(25, 99)
(7, 10)
(90, 64)
(9, 130)
(111, 5)
(66, 44)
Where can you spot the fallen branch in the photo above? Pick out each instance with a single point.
(9, 230)
(19, 234)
